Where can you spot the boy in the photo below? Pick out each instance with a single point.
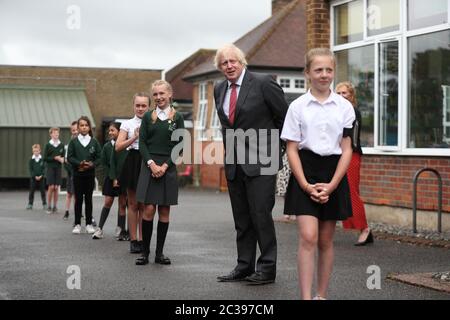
(36, 169)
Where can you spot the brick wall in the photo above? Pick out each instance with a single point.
(388, 180)
(317, 23)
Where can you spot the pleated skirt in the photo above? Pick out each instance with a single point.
(157, 191)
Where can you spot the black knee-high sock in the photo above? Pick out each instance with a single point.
(103, 217)
(121, 221)
(147, 230)
(161, 237)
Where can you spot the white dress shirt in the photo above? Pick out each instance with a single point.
(54, 143)
(318, 126)
(226, 101)
(36, 158)
(84, 140)
(129, 126)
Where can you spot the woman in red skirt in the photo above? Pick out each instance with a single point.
(358, 220)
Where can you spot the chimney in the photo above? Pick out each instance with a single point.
(277, 5)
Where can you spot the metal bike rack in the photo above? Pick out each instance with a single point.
(416, 177)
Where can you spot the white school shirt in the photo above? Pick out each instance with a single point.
(317, 126)
(226, 101)
(129, 126)
(84, 140)
(36, 158)
(163, 114)
(54, 143)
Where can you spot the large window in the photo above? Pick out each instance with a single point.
(349, 22)
(357, 65)
(382, 16)
(429, 80)
(397, 54)
(216, 132)
(423, 13)
(388, 94)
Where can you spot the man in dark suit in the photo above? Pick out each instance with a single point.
(251, 109)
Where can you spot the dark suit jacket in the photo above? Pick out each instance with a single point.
(260, 105)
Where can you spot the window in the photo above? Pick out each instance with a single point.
(292, 84)
(216, 132)
(200, 125)
(382, 16)
(349, 22)
(285, 83)
(423, 14)
(388, 94)
(429, 80)
(397, 55)
(299, 84)
(357, 65)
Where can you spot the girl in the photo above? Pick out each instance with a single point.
(158, 186)
(129, 139)
(317, 129)
(53, 158)
(111, 188)
(358, 221)
(83, 154)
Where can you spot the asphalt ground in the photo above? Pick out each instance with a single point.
(37, 251)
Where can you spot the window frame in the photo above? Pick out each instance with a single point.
(202, 112)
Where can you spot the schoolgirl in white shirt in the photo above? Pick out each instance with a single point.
(129, 139)
(317, 129)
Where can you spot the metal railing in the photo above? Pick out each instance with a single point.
(416, 177)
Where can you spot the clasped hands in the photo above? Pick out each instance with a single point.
(85, 165)
(158, 171)
(319, 192)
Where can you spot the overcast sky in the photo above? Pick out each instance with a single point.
(145, 34)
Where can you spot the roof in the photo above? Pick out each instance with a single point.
(182, 89)
(42, 106)
(277, 43)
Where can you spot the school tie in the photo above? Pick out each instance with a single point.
(233, 100)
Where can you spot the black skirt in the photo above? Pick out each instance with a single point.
(318, 169)
(111, 191)
(131, 169)
(158, 191)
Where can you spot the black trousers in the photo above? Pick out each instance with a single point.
(252, 201)
(34, 185)
(84, 188)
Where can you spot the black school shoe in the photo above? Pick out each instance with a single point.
(142, 260)
(162, 259)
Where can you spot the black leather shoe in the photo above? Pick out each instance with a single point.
(143, 260)
(368, 240)
(162, 259)
(258, 278)
(233, 276)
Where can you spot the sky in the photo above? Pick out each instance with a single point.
(142, 34)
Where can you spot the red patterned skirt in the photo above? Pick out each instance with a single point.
(358, 220)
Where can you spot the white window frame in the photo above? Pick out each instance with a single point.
(292, 88)
(402, 36)
(200, 123)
